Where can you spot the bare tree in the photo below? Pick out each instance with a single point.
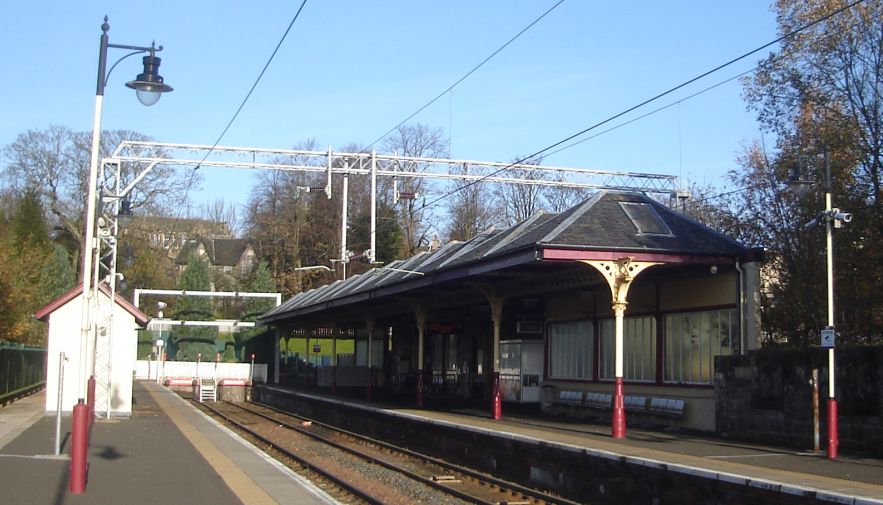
(55, 162)
(471, 210)
(559, 199)
(416, 141)
(520, 201)
(221, 213)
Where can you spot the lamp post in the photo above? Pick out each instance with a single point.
(148, 86)
(833, 218)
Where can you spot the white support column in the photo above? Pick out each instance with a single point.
(343, 223)
(496, 302)
(276, 354)
(619, 275)
(420, 316)
(372, 258)
(370, 324)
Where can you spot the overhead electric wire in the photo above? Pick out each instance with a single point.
(645, 102)
(466, 75)
(239, 109)
(654, 111)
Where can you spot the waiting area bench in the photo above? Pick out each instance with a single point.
(637, 404)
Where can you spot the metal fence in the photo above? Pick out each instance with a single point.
(22, 369)
(206, 369)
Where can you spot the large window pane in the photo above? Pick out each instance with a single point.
(693, 339)
(639, 348)
(570, 350)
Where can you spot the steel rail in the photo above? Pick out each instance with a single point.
(503, 484)
(337, 481)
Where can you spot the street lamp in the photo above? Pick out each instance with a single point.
(149, 86)
(833, 218)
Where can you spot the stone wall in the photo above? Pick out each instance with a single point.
(766, 396)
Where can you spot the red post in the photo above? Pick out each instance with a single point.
(369, 392)
(618, 410)
(833, 439)
(420, 389)
(79, 448)
(497, 406)
(90, 399)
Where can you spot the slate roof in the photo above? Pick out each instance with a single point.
(601, 223)
(220, 251)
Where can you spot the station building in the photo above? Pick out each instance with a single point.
(533, 309)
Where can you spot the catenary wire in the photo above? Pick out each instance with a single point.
(466, 75)
(654, 111)
(238, 110)
(635, 107)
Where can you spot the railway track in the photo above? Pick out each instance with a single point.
(354, 467)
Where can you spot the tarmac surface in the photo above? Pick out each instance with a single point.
(167, 453)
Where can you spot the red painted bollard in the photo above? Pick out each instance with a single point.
(833, 439)
(369, 392)
(79, 448)
(497, 407)
(618, 410)
(420, 389)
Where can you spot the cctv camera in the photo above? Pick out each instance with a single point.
(839, 215)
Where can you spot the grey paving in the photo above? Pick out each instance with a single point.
(143, 460)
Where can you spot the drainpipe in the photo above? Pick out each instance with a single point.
(741, 294)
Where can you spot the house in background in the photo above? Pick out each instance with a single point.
(114, 351)
(230, 258)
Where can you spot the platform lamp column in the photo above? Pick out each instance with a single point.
(830, 221)
(833, 218)
(619, 275)
(149, 87)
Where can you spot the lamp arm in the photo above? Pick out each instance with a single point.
(107, 76)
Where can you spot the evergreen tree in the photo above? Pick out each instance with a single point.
(190, 340)
(24, 250)
(58, 274)
(262, 282)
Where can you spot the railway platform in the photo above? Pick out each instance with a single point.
(848, 479)
(167, 453)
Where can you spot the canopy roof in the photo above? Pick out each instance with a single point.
(608, 225)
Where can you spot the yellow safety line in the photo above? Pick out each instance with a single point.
(241, 484)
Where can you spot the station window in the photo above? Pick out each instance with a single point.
(693, 339)
(639, 349)
(570, 350)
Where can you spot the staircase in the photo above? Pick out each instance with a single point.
(207, 390)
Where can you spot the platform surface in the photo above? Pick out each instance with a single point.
(166, 453)
(848, 479)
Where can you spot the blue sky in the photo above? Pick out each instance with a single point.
(351, 70)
